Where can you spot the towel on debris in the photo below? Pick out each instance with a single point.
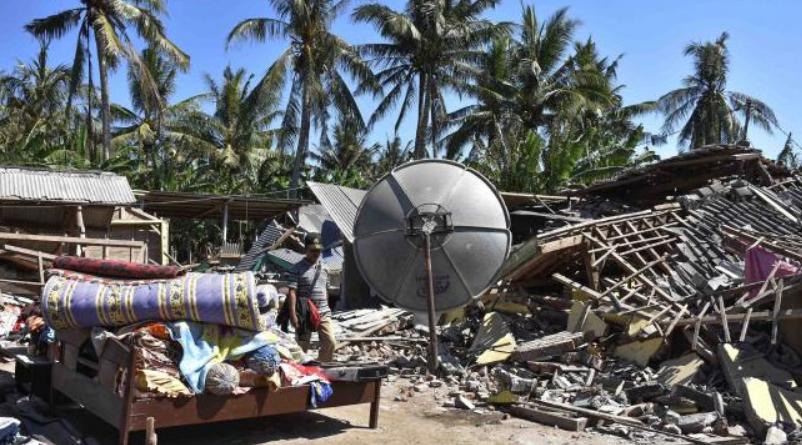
(71, 300)
(205, 344)
(759, 264)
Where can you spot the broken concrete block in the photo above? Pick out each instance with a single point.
(644, 393)
(555, 344)
(747, 362)
(679, 371)
(579, 321)
(695, 423)
(463, 403)
(761, 386)
(775, 436)
(766, 404)
(703, 400)
(639, 352)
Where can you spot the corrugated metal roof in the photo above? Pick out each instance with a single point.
(311, 217)
(342, 204)
(284, 258)
(81, 187)
(270, 235)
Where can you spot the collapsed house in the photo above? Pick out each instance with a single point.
(663, 302)
(46, 213)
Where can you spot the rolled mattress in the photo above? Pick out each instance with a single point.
(75, 300)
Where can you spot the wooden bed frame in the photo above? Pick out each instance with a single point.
(71, 376)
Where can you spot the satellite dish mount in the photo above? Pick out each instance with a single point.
(423, 222)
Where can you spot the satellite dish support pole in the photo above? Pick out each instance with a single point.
(427, 264)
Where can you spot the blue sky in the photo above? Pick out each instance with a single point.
(765, 47)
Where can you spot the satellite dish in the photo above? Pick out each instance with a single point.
(442, 203)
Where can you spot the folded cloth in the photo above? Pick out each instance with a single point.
(84, 301)
(154, 354)
(162, 383)
(205, 345)
(319, 393)
(264, 360)
(116, 268)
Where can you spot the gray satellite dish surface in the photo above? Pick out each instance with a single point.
(467, 223)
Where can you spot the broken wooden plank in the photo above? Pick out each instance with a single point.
(777, 304)
(628, 421)
(724, 323)
(745, 324)
(549, 418)
(783, 314)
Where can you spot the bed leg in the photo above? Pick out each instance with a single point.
(374, 405)
(150, 432)
(123, 438)
(51, 402)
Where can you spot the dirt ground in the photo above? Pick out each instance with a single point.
(420, 420)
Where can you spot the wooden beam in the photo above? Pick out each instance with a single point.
(69, 240)
(782, 314)
(777, 304)
(549, 418)
(724, 323)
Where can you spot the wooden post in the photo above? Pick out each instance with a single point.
(41, 267)
(79, 220)
(225, 222)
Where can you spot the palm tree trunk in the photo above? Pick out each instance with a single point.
(303, 141)
(748, 118)
(104, 94)
(420, 133)
(90, 136)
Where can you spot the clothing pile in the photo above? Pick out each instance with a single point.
(190, 333)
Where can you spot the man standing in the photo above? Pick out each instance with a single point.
(309, 281)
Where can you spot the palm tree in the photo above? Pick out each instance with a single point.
(423, 44)
(536, 93)
(108, 21)
(348, 150)
(317, 60)
(788, 156)
(393, 154)
(33, 120)
(149, 125)
(234, 141)
(711, 110)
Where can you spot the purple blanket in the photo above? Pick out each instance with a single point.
(71, 300)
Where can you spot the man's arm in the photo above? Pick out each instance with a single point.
(291, 299)
(292, 296)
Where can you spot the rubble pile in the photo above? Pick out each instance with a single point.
(678, 321)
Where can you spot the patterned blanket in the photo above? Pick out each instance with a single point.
(73, 300)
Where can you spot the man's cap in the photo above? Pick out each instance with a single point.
(313, 243)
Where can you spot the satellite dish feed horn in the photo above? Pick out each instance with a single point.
(431, 236)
